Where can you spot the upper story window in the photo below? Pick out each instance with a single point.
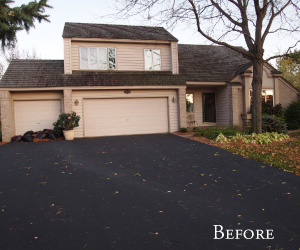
(152, 59)
(97, 58)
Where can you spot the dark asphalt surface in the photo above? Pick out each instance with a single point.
(141, 192)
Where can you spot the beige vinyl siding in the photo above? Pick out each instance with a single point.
(129, 56)
(287, 94)
(223, 105)
(94, 94)
(37, 95)
(174, 50)
(67, 56)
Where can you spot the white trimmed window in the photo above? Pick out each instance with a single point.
(189, 98)
(152, 59)
(267, 96)
(97, 58)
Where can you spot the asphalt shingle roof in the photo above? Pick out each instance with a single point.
(210, 63)
(203, 63)
(109, 31)
(50, 73)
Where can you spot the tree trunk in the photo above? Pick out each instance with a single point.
(257, 100)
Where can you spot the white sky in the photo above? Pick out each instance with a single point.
(46, 38)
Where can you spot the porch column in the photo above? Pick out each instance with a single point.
(7, 121)
(235, 116)
(67, 100)
(182, 107)
(246, 78)
(246, 94)
(276, 75)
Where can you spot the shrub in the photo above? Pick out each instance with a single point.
(292, 115)
(268, 109)
(183, 130)
(273, 124)
(213, 132)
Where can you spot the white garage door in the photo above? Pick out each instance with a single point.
(35, 115)
(104, 117)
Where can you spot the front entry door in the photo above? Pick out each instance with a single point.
(209, 107)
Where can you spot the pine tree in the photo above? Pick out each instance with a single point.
(19, 18)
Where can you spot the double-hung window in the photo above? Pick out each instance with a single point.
(152, 59)
(97, 58)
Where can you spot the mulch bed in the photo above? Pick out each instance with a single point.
(189, 135)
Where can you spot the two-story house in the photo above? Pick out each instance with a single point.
(125, 80)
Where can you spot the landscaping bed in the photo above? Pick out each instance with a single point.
(283, 154)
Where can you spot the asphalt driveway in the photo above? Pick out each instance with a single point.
(141, 192)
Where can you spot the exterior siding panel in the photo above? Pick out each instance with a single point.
(130, 57)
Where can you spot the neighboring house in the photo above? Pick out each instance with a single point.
(125, 80)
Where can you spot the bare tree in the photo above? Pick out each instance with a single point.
(223, 22)
(12, 52)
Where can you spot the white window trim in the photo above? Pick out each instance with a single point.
(265, 96)
(98, 54)
(192, 112)
(152, 60)
(108, 58)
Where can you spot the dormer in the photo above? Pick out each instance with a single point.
(103, 47)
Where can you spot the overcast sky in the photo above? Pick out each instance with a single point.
(46, 38)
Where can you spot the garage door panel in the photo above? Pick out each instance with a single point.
(104, 117)
(35, 115)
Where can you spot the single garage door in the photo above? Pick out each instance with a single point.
(35, 115)
(105, 117)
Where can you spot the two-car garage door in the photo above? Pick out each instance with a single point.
(128, 116)
(100, 117)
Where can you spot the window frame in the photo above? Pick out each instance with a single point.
(273, 104)
(98, 58)
(193, 111)
(152, 60)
